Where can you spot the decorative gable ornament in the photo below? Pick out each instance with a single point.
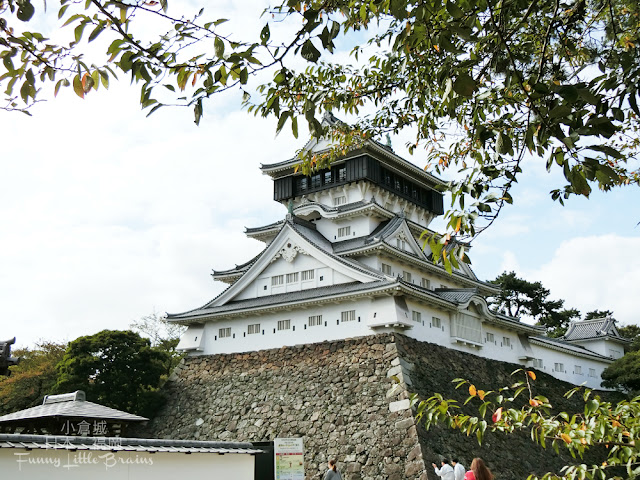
(289, 252)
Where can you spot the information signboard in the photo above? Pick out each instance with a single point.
(289, 458)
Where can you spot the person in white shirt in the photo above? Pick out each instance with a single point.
(446, 472)
(458, 469)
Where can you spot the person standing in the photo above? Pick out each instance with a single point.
(445, 472)
(332, 473)
(479, 471)
(458, 469)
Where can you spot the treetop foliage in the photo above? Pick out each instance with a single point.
(520, 297)
(115, 368)
(482, 84)
(32, 379)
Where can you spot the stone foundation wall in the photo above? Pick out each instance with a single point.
(340, 397)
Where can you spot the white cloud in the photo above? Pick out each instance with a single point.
(596, 272)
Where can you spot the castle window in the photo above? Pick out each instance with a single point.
(406, 276)
(341, 200)
(577, 369)
(506, 342)
(401, 244)
(255, 328)
(416, 316)
(425, 283)
(307, 275)
(537, 363)
(277, 280)
(316, 181)
(490, 337)
(386, 269)
(436, 322)
(304, 183)
(284, 324)
(292, 277)
(592, 372)
(558, 367)
(315, 320)
(348, 316)
(344, 231)
(466, 327)
(224, 332)
(327, 177)
(342, 174)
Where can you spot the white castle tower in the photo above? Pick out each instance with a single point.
(347, 262)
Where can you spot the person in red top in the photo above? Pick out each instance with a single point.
(479, 471)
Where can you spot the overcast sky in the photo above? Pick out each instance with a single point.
(107, 216)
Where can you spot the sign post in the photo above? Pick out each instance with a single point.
(289, 458)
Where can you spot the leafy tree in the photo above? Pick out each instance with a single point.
(32, 379)
(624, 373)
(163, 335)
(597, 314)
(118, 369)
(519, 297)
(607, 430)
(481, 83)
(632, 332)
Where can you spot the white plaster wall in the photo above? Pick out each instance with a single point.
(81, 465)
(360, 227)
(323, 276)
(299, 333)
(551, 356)
(417, 273)
(497, 350)
(327, 197)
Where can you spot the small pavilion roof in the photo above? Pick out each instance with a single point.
(120, 444)
(70, 405)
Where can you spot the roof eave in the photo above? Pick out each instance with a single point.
(283, 306)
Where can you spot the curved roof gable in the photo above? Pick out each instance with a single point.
(594, 329)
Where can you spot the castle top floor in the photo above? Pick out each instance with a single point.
(370, 173)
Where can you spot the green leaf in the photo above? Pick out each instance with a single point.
(218, 46)
(454, 10)
(464, 85)
(309, 52)
(282, 120)
(77, 86)
(265, 34)
(25, 11)
(96, 31)
(197, 110)
(78, 31)
(560, 111)
(503, 144)
(244, 76)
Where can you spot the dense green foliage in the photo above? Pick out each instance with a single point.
(481, 84)
(624, 373)
(597, 314)
(118, 369)
(32, 379)
(609, 430)
(519, 297)
(632, 332)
